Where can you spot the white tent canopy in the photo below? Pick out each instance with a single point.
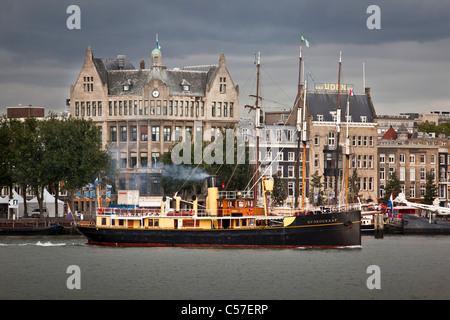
(48, 202)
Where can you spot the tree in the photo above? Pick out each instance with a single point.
(430, 189)
(430, 127)
(82, 155)
(353, 186)
(279, 192)
(189, 177)
(392, 186)
(317, 194)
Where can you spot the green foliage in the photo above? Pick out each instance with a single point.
(46, 152)
(189, 177)
(392, 185)
(429, 127)
(279, 192)
(316, 188)
(430, 189)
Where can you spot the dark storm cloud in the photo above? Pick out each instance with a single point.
(37, 50)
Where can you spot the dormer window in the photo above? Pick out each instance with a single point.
(186, 86)
(320, 117)
(363, 118)
(127, 85)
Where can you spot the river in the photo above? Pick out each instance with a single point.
(409, 267)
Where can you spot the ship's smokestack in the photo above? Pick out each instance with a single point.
(213, 195)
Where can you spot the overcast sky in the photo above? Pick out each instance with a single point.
(407, 61)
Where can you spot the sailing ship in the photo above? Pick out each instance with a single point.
(230, 219)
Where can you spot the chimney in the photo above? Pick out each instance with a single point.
(121, 61)
(142, 65)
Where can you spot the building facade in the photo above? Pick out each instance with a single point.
(143, 111)
(411, 158)
(327, 142)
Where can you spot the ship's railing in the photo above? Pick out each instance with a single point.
(236, 195)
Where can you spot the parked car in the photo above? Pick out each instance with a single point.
(36, 213)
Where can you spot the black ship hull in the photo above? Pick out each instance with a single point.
(31, 231)
(322, 230)
(413, 224)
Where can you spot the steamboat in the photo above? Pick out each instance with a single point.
(230, 220)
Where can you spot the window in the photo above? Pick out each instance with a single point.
(290, 135)
(114, 134)
(279, 135)
(88, 84)
(370, 141)
(370, 162)
(155, 133)
(320, 117)
(280, 171)
(222, 85)
(144, 133)
(422, 190)
(133, 133)
(382, 174)
(363, 118)
(291, 156)
(167, 133)
(123, 133)
(231, 109)
(280, 156)
(291, 171)
(412, 159)
(316, 160)
(432, 158)
(316, 140)
(422, 158)
(185, 85)
(412, 174)
(391, 158)
(401, 158)
(144, 159)
(422, 174)
(402, 173)
(213, 109)
(412, 191)
(77, 109)
(291, 189)
(331, 138)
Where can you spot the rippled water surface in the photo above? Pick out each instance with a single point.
(411, 267)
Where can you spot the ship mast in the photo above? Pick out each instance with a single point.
(257, 127)
(299, 121)
(347, 152)
(338, 129)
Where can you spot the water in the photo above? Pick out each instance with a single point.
(411, 267)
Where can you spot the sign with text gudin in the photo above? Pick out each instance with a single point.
(332, 87)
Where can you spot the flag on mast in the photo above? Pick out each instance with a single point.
(391, 203)
(303, 39)
(157, 42)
